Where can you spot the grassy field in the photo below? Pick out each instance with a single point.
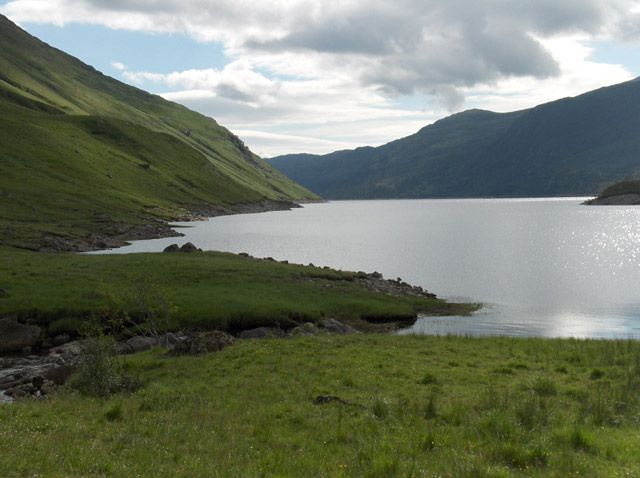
(204, 290)
(415, 406)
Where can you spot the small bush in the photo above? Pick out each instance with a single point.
(596, 374)
(101, 373)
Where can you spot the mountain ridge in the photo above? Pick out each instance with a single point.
(567, 147)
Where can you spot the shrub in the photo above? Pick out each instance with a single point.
(101, 372)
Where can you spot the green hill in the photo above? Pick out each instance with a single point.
(86, 160)
(573, 146)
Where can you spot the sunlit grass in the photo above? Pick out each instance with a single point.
(249, 411)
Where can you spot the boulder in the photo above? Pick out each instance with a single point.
(170, 340)
(189, 247)
(204, 342)
(47, 387)
(15, 336)
(305, 330)
(336, 327)
(69, 351)
(172, 248)
(136, 344)
(261, 333)
(61, 339)
(58, 375)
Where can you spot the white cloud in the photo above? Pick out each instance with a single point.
(578, 74)
(318, 75)
(118, 66)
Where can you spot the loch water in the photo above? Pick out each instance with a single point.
(542, 267)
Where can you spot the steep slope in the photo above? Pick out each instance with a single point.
(573, 146)
(84, 158)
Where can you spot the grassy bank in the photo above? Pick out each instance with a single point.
(202, 289)
(415, 406)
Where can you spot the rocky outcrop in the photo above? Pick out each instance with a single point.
(38, 375)
(188, 247)
(307, 329)
(261, 333)
(136, 344)
(375, 282)
(204, 343)
(16, 337)
(140, 343)
(336, 327)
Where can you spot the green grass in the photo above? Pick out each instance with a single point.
(208, 290)
(83, 154)
(248, 411)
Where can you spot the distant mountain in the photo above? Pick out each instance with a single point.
(573, 146)
(84, 156)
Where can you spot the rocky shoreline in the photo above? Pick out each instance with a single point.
(34, 364)
(112, 235)
(30, 375)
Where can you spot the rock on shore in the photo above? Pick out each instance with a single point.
(16, 337)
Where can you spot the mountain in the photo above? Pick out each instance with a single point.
(573, 146)
(85, 158)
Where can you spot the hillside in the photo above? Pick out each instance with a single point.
(87, 160)
(624, 193)
(573, 146)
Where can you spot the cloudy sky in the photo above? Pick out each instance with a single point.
(315, 76)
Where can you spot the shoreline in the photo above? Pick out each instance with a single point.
(155, 228)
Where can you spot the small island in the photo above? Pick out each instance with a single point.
(624, 193)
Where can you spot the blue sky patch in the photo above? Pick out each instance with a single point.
(159, 53)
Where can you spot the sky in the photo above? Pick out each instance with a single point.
(292, 76)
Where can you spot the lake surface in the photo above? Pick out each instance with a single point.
(542, 267)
